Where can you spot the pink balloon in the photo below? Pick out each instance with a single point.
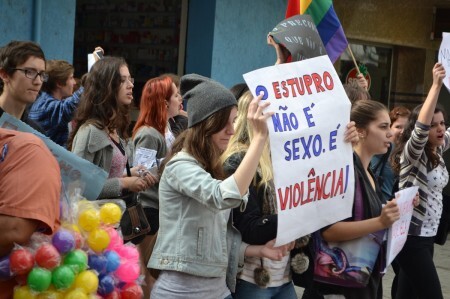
(129, 253)
(114, 237)
(128, 272)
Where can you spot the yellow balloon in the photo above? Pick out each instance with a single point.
(89, 220)
(87, 281)
(23, 292)
(50, 294)
(76, 294)
(98, 240)
(110, 213)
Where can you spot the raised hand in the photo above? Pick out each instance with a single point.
(438, 74)
(281, 51)
(257, 119)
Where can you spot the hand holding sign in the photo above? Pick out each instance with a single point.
(298, 34)
(444, 57)
(257, 119)
(282, 53)
(398, 232)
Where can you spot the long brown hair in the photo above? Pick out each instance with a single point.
(98, 104)
(197, 142)
(433, 157)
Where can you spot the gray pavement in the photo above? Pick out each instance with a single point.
(442, 261)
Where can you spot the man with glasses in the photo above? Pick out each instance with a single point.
(22, 73)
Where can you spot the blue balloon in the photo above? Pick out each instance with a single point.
(113, 261)
(106, 285)
(98, 262)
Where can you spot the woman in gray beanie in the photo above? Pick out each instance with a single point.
(196, 240)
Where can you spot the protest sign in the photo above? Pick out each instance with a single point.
(444, 57)
(312, 165)
(299, 35)
(75, 171)
(398, 232)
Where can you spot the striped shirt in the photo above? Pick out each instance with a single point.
(415, 168)
(279, 270)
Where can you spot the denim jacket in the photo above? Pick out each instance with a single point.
(196, 234)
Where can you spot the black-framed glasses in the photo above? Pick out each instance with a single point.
(32, 74)
(125, 79)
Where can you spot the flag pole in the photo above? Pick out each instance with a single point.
(353, 57)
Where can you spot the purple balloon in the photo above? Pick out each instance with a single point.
(5, 272)
(113, 261)
(63, 240)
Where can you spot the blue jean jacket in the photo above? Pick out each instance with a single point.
(196, 234)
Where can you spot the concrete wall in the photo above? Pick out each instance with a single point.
(240, 34)
(50, 23)
(227, 38)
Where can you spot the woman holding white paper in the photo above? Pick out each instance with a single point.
(418, 160)
(101, 132)
(373, 125)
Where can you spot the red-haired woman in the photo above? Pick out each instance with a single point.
(160, 101)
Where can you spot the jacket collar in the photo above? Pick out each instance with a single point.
(98, 139)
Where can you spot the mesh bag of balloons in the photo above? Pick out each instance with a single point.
(85, 258)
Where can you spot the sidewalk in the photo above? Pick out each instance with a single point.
(441, 260)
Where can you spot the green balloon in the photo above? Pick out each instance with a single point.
(63, 277)
(77, 260)
(39, 279)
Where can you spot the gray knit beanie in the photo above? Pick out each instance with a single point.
(204, 97)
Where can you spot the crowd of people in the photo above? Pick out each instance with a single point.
(211, 201)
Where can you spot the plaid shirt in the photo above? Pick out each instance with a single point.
(54, 115)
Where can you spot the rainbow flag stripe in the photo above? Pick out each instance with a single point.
(327, 23)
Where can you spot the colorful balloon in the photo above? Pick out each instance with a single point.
(110, 213)
(39, 279)
(5, 271)
(63, 277)
(113, 261)
(76, 294)
(128, 272)
(23, 292)
(88, 281)
(21, 261)
(63, 240)
(106, 285)
(89, 220)
(77, 260)
(115, 240)
(47, 256)
(131, 291)
(129, 253)
(97, 262)
(50, 294)
(113, 295)
(98, 240)
(79, 240)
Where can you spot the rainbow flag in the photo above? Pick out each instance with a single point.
(327, 23)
